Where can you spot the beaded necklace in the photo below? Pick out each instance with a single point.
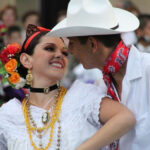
(54, 119)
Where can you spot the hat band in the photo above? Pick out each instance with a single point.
(114, 28)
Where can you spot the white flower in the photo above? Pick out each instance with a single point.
(20, 84)
(6, 84)
(6, 76)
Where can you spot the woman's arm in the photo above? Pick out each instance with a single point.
(117, 121)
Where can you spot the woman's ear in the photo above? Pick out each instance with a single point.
(26, 60)
(94, 44)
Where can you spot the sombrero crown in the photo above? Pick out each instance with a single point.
(94, 17)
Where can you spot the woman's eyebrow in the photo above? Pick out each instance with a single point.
(53, 44)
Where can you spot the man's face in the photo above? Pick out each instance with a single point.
(82, 52)
(91, 54)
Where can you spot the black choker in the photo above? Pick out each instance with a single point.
(44, 90)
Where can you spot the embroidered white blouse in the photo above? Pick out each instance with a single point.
(79, 120)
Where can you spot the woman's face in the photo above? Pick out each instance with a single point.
(49, 60)
(9, 17)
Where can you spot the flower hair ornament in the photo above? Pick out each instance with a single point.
(8, 66)
(32, 32)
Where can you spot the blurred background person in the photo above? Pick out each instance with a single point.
(143, 33)
(14, 35)
(30, 17)
(130, 38)
(8, 18)
(129, 6)
(8, 15)
(118, 3)
(61, 15)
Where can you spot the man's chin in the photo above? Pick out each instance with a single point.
(86, 66)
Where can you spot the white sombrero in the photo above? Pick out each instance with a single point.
(94, 17)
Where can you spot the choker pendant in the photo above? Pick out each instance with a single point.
(45, 117)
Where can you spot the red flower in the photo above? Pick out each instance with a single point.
(13, 48)
(9, 52)
(4, 56)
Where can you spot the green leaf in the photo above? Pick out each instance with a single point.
(2, 70)
(12, 85)
(4, 80)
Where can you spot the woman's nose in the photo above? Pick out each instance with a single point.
(58, 54)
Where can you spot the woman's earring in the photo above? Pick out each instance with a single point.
(29, 77)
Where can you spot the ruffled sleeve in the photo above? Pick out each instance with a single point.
(3, 145)
(92, 108)
(88, 97)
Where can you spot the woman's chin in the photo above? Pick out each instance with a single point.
(56, 77)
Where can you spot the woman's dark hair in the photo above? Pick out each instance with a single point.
(30, 50)
(110, 41)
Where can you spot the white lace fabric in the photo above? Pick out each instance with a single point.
(79, 120)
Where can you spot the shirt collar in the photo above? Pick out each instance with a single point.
(134, 70)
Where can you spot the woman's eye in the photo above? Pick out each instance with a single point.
(65, 53)
(49, 48)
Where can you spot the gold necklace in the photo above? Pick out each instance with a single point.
(54, 119)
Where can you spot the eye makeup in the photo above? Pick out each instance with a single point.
(52, 48)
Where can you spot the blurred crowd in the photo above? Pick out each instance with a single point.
(11, 32)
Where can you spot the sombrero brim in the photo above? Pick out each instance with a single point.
(126, 22)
